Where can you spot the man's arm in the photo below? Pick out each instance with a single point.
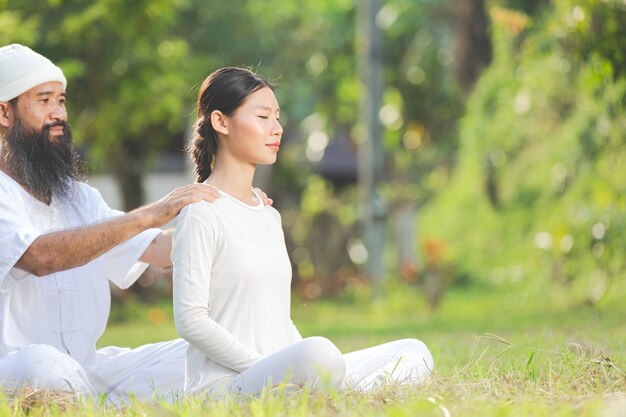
(68, 249)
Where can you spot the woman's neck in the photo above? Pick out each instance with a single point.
(234, 179)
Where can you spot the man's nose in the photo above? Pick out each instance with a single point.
(59, 114)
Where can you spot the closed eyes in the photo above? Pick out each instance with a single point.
(267, 117)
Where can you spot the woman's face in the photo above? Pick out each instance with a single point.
(254, 130)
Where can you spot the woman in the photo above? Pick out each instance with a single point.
(231, 269)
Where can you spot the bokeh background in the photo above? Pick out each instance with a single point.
(495, 130)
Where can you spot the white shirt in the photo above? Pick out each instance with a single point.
(232, 295)
(69, 309)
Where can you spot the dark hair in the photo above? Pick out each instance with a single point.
(225, 90)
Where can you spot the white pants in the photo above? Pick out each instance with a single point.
(158, 369)
(45, 367)
(151, 370)
(316, 362)
(403, 362)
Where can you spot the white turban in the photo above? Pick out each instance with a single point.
(21, 69)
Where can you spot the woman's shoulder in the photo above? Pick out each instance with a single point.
(274, 214)
(201, 210)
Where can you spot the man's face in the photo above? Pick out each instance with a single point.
(37, 150)
(43, 105)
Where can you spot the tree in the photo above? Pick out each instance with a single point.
(543, 126)
(127, 79)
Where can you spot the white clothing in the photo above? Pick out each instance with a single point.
(21, 69)
(152, 370)
(67, 310)
(44, 367)
(405, 361)
(230, 260)
(232, 303)
(314, 362)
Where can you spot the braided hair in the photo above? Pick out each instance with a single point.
(225, 90)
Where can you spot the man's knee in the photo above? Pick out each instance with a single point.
(43, 366)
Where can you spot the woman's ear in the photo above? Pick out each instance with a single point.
(219, 122)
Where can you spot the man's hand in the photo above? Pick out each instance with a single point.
(266, 200)
(163, 211)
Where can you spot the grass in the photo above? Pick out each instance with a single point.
(509, 351)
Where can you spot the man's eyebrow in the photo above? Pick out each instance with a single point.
(48, 92)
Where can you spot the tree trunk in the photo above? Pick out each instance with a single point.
(127, 164)
(472, 49)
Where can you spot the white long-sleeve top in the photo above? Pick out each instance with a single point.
(232, 279)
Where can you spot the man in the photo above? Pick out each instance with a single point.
(60, 245)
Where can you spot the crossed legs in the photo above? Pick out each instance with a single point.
(316, 363)
(44, 367)
(404, 362)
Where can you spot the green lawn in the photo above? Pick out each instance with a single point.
(508, 351)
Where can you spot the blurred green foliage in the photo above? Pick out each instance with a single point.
(526, 187)
(538, 193)
(133, 68)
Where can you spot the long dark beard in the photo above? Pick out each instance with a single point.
(45, 167)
